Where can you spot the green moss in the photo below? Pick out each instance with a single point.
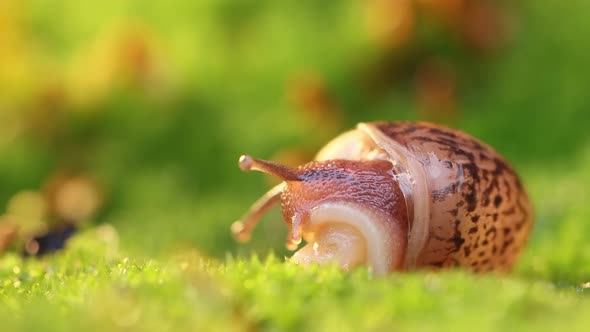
(84, 288)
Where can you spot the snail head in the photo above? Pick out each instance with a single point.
(337, 206)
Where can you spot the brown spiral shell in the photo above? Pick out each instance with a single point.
(467, 206)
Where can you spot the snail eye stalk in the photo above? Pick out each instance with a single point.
(286, 173)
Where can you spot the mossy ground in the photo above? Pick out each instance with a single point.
(82, 290)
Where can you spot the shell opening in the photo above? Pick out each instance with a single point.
(414, 187)
(334, 243)
(351, 235)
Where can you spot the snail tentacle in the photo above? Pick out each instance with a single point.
(242, 229)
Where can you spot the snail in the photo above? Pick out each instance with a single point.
(399, 196)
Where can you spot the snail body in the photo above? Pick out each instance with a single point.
(400, 196)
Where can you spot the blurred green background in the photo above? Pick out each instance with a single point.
(134, 113)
